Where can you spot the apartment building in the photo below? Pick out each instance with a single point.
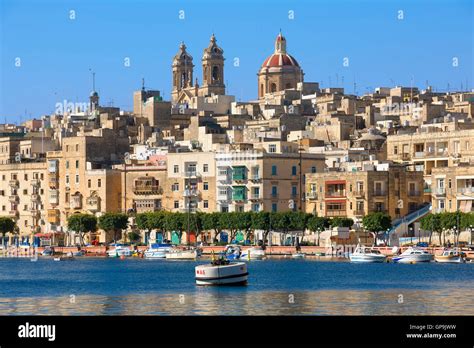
(453, 189)
(23, 189)
(363, 188)
(261, 180)
(191, 182)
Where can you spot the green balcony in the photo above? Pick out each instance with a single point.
(239, 173)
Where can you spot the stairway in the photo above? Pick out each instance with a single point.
(402, 223)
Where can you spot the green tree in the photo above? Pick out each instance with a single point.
(6, 225)
(133, 236)
(113, 223)
(212, 222)
(449, 223)
(432, 223)
(318, 224)
(231, 223)
(245, 224)
(176, 222)
(262, 221)
(377, 222)
(82, 223)
(342, 222)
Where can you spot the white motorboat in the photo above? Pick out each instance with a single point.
(449, 256)
(413, 255)
(232, 252)
(365, 254)
(222, 272)
(182, 254)
(119, 250)
(298, 255)
(157, 251)
(255, 253)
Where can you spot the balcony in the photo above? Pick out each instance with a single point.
(191, 193)
(359, 193)
(76, 202)
(35, 182)
(54, 197)
(14, 213)
(53, 216)
(312, 195)
(335, 194)
(223, 198)
(35, 197)
(255, 197)
(148, 190)
(34, 211)
(359, 212)
(336, 213)
(255, 177)
(13, 199)
(440, 191)
(466, 190)
(14, 183)
(191, 174)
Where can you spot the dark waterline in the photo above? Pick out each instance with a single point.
(88, 286)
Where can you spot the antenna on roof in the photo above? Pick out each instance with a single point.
(93, 79)
(143, 83)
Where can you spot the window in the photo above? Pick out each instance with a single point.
(223, 191)
(176, 204)
(441, 204)
(26, 177)
(205, 186)
(25, 207)
(4, 208)
(294, 191)
(274, 191)
(67, 148)
(272, 148)
(256, 207)
(175, 168)
(205, 168)
(293, 170)
(77, 164)
(77, 147)
(25, 191)
(274, 207)
(67, 164)
(313, 169)
(175, 187)
(395, 150)
(26, 223)
(205, 204)
(274, 170)
(99, 182)
(467, 145)
(77, 178)
(67, 179)
(89, 183)
(66, 198)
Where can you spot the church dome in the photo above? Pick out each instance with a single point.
(280, 58)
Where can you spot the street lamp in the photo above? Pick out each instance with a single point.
(411, 233)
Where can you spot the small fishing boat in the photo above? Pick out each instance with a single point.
(450, 256)
(78, 253)
(413, 255)
(119, 250)
(255, 253)
(48, 251)
(157, 251)
(222, 272)
(298, 255)
(365, 254)
(181, 254)
(232, 252)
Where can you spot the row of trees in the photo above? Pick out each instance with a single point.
(447, 223)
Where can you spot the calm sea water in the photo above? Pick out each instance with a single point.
(98, 286)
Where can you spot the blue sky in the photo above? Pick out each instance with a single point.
(56, 52)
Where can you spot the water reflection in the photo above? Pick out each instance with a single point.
(210, 301)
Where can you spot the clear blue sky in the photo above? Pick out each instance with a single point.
(56, 52)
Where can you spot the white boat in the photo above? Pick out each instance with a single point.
(449, 256)
(157, 251)
(298, 255)
(180, 254)
(232, 252)
(365, 254)
(255, 253)
(222, 272)
(413, 255)
(119, 250)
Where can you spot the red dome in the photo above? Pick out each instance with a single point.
(279, 59)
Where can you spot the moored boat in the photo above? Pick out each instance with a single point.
(298, 255)
(413, 255)
(255, 253)
(222, 272)
(232, 252)
(450, 256)
(365, 254)
(119, 250)
(157, 251)
(182, 254)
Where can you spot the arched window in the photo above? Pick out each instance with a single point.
(273, 87)
(215, 73)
